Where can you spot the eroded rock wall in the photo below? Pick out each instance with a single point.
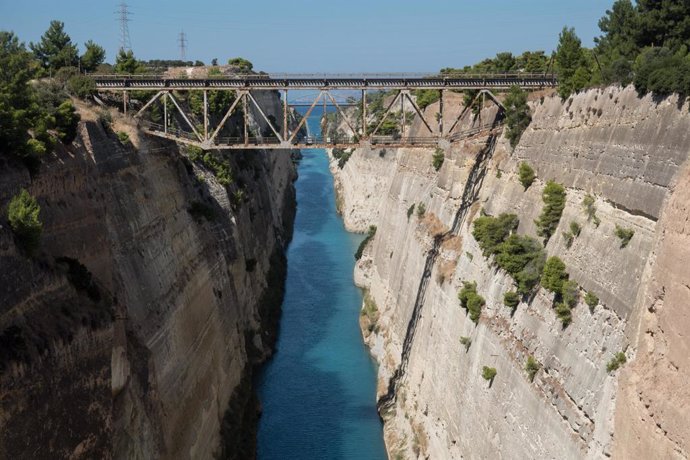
(186, 307)
(628, 153)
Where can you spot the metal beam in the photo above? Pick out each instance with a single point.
(304, 118)
(146, 106)
(264, 116)
(172, 98)
(418, 110)
(227, 115)
(347, 121)
(464, 110)
(395, 99)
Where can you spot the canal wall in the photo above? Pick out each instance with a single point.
(156, 289)
(630, 154)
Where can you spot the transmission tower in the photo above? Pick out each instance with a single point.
(182, 40)
(123, 18)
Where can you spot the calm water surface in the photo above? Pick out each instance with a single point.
(318, 391)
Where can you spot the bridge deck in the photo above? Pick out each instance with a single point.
(267, 82)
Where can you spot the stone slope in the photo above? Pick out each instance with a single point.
(626, 151)
(188, 306)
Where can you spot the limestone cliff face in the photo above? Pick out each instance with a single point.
(158, 363)
(627, 152)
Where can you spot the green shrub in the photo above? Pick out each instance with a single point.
(195, 153)
(471, 301)
(570, 293)
(563, 313)
(342, 156)
(220, 167)
(81, 86)
(238, 197)
(468, 288)
(532, 367)
(370, 234)
(554, 275)
(123, 137)
(410, 210)
(23, 215)
(421, 210)
(617, 361)
(438, 158)
(625, 235)
(592, 300)
(488, 373)
(523, 258)
(466, 341)
(526, 175)
(490, 231)
(200, 210)
(243, 65)
(511, 299)
(66, 122)
(572, 234)
(554, 203)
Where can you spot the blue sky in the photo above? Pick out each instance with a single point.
(318, 35)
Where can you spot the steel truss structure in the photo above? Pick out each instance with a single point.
(291, 138)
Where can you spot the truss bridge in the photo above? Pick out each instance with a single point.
(386, 128)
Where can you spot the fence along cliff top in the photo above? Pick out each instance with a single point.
(283, 137)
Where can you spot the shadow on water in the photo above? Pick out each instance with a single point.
(318, 392)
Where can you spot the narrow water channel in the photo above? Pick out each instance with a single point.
(318, 391)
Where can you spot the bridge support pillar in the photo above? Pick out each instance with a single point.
(205, 115)
(165, 112)
(440, 112)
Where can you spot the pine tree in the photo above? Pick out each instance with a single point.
(569, 58)
(518, 115)
(92, 57)
(55, 50)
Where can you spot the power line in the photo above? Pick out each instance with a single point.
(182, 40)
(123, 18)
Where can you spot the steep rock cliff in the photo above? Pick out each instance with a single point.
(628, 153)
(159, 364)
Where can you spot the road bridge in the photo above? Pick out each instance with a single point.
(363, 131)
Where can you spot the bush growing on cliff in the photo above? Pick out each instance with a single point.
(421, 210)
(554, 203)
(342, 156)
(511, 299)
(471, 301)
(526, 175)
(554, 275)
(438, 158)
(592, 300)
(617, 361)
(370, 235)
(625, 235)
(490, 231)
(466, 342)
(532, 366)
(518, 115)
(23, 215)
(488, 373)
(523, 258)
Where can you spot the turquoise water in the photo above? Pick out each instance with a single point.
(318, 391)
